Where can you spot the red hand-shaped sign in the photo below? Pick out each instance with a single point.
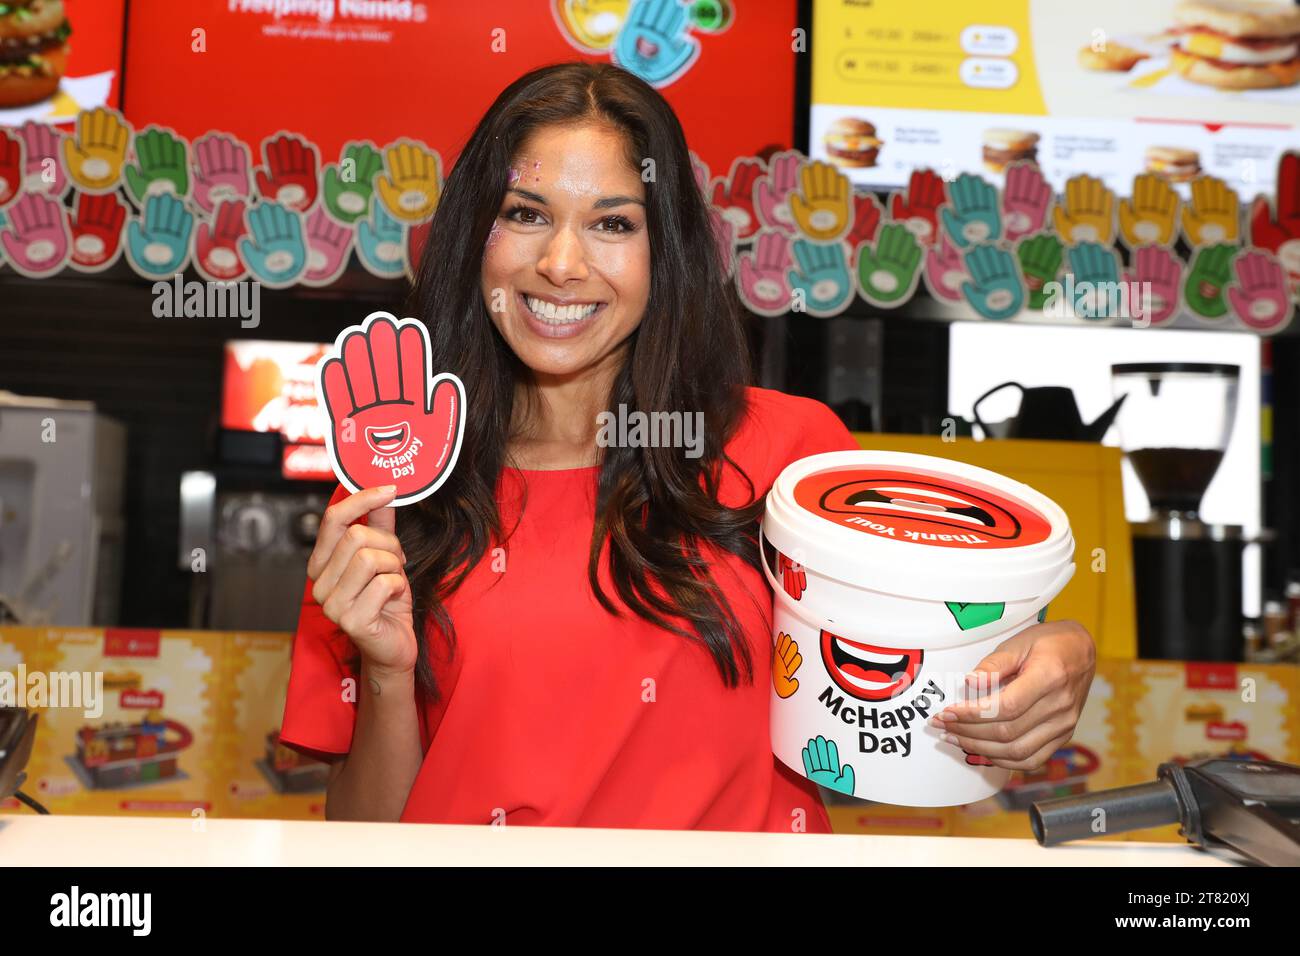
(392, 421)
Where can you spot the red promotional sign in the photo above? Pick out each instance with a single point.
(271, 387)
(131, 642)
(141, 699)
(340, 70)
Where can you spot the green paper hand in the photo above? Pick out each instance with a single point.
(887, 274)
(161, 166)
(821, 764)
(1040, 260)
(1210, 273)
(350, 183)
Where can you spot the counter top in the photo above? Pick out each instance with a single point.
(168, 841)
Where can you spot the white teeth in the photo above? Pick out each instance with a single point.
(559, 314)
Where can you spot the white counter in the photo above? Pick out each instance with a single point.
(147, 841)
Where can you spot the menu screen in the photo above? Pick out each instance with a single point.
(1112, 88)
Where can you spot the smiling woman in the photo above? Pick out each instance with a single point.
(574, 630)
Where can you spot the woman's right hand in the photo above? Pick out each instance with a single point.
(359, 579)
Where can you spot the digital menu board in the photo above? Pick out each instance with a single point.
(58, 57)
(1111, 88)
(271, 387)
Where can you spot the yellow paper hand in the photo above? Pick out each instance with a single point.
(785, 661)
(1150, 215)
(821, 206)
(411, 187)
(95, 156)
(1212, 216)
(1088, 212)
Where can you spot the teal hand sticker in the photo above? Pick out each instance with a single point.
(159, 247)
(275, 253)
(889, 270)
(380, 243)
(821, 764)
(971, 215)
(161, 166)
(1042, 615)
(1096, 280)
(1040, 262)
(349, 184)
(995, 289)
(820, 277)
(655, 42)
(970, 616)
(1210, 273)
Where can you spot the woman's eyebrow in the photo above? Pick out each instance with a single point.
(610, 202)
(531, 196)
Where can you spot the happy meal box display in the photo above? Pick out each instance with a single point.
(894, 575)
(263, 778)
(146, 742)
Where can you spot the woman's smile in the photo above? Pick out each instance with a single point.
(557, 319)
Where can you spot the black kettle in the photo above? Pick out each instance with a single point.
(1048, 413)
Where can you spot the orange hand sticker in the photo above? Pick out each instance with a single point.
(1087, 213)
(785, 661)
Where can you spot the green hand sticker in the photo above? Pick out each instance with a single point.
(1040, 260)
(349, 185)
(161, 166)
(887, 274)
(1207, 278)
(970, 616)
(821, 764)
(1042, 615)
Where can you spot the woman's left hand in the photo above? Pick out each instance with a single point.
(1026, 704)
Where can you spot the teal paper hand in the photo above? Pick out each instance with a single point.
(655, 42)
(971, 214)
(1097, 291)
(821, 274)
(1208, 276)
(349, 185)
(161, 166)
(996, 290)
(274, 251)
(888, 273)
(821, 764)
(159, 247)
(380, 243)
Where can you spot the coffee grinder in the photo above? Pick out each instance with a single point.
(1174, 428)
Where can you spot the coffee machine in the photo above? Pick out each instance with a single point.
(1174, 428)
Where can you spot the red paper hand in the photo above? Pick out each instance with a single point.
(793, 577)
(392, 422)
(96, 231)
(735, 196)
(289, 177)
(216, 247)
(918, 212)
(11, 167)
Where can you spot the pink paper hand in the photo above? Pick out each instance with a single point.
(1024, 201)
(220, 170)
(1260, 297)
(763, 285)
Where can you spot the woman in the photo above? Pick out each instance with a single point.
(567, 633)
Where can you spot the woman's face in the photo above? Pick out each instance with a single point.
(566, 268)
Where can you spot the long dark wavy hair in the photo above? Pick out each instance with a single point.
(657, 508)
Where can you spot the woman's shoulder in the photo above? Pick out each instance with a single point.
(777, 429)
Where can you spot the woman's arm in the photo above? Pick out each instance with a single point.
(358, 579)
(372, 780)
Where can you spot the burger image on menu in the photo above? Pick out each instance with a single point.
(1237, 44)
(1173, 163)
(33, 50)
(1002, 147)
(852, 142)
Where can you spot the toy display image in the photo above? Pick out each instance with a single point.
(117, 755)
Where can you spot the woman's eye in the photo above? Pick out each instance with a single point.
(525, 215)
(616, 224)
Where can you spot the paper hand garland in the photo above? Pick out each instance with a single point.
(391, 420)
(793, 233)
